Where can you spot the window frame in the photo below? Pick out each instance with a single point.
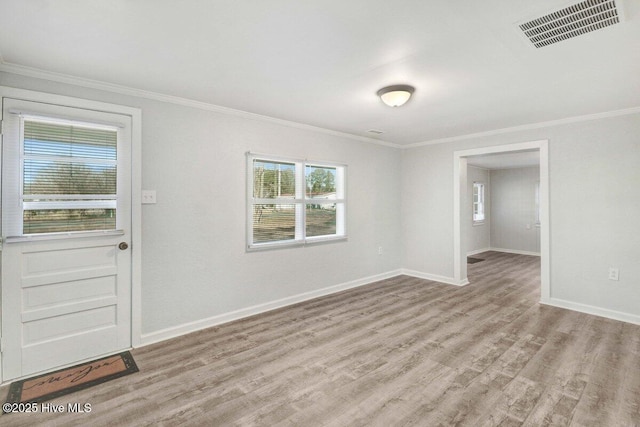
(481, 203)
(537, 202)
(64, 201)
(13, 201)
(300, 200)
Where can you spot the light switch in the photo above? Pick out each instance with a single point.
(148, 197)
(614, 273)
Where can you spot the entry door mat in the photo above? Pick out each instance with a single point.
(58, 383)
(473, 260)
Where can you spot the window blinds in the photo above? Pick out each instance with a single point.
(69, 177)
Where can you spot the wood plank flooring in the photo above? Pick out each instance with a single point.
(404, 351)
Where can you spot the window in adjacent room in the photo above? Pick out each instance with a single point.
(292, 202)
(478, 203)
(537, 203)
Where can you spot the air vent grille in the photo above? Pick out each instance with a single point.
(572, 21)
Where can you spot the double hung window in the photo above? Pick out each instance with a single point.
(292, 202)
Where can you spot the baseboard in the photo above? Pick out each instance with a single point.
(478, 251)
(176, 331)
(509, 251)
(186, 328)
(514, 251)
(434, 277)
(596, 311)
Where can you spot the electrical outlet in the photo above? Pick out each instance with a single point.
(148, 197)
(379, 250)
(614, 273)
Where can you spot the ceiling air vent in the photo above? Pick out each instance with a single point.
(572, 21)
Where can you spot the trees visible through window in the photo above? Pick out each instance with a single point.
(294, 202)
(69, 178)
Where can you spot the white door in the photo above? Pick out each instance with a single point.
(66, 227)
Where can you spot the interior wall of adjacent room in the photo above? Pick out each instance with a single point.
(594, 201)
(513, 207)
(194, 263)
(478, 235)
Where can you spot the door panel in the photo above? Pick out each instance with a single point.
(66, 297)
(49, 295)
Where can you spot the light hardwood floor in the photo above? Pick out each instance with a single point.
(403, 351)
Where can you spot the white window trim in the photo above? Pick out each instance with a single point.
(475, 221)
(13, 212)
(300, 201)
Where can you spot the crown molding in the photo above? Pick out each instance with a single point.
(156, 96)
(530, 126)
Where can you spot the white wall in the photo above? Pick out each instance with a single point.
(194, 263)
(513, 208)
(478, 235)
(594, 201)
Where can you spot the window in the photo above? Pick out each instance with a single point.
(478, 202)
(67, 176)
(294, 202)
(537, 203)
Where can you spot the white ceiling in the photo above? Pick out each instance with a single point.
(320, 62)
(521, 159)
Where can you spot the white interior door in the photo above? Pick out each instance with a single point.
(66, 228)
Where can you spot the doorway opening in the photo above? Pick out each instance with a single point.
(461, 161)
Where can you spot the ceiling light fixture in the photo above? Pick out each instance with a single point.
(397, 95)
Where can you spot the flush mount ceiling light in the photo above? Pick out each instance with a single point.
(395, 96)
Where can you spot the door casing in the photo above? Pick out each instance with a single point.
(460, 194)
(136, 150)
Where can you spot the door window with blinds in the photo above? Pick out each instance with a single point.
(294, 202)
(68, 176)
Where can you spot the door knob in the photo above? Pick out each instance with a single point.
(123, 246)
